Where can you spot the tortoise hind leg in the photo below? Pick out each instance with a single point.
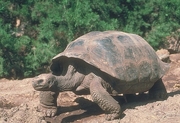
(105, 101)
(158, 91)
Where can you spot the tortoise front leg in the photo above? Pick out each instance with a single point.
(48, 103)
(104, 100)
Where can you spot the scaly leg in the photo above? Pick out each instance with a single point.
(158, 91)
(48, 103)
(104, 100)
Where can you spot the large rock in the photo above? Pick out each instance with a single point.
(172, 78)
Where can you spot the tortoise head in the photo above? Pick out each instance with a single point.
(44, 82)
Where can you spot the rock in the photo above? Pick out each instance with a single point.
(175, 58)
(163, 54)
(172, 77)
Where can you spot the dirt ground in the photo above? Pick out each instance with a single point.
(19, 101)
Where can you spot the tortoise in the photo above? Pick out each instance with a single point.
(103, 64)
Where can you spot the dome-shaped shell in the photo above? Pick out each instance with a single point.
(125, 56)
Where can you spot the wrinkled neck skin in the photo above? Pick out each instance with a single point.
(70, 80)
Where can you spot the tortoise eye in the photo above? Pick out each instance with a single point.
(49, 81)
(40, 81)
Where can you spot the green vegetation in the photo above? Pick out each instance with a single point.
(33, 31)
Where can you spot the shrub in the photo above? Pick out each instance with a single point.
(32, 32)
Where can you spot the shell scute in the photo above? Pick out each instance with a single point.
(107, 50)
(79, 43)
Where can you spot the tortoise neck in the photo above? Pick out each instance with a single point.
(69, 82)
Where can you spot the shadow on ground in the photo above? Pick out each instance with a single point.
(88, 109)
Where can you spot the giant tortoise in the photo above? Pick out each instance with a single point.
(103, 64)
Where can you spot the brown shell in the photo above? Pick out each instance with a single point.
(125, 56)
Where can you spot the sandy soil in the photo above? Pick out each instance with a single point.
(19, 101)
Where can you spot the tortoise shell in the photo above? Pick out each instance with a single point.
(127, 57)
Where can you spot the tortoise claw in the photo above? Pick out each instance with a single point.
(48, 111)
(113, 116)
